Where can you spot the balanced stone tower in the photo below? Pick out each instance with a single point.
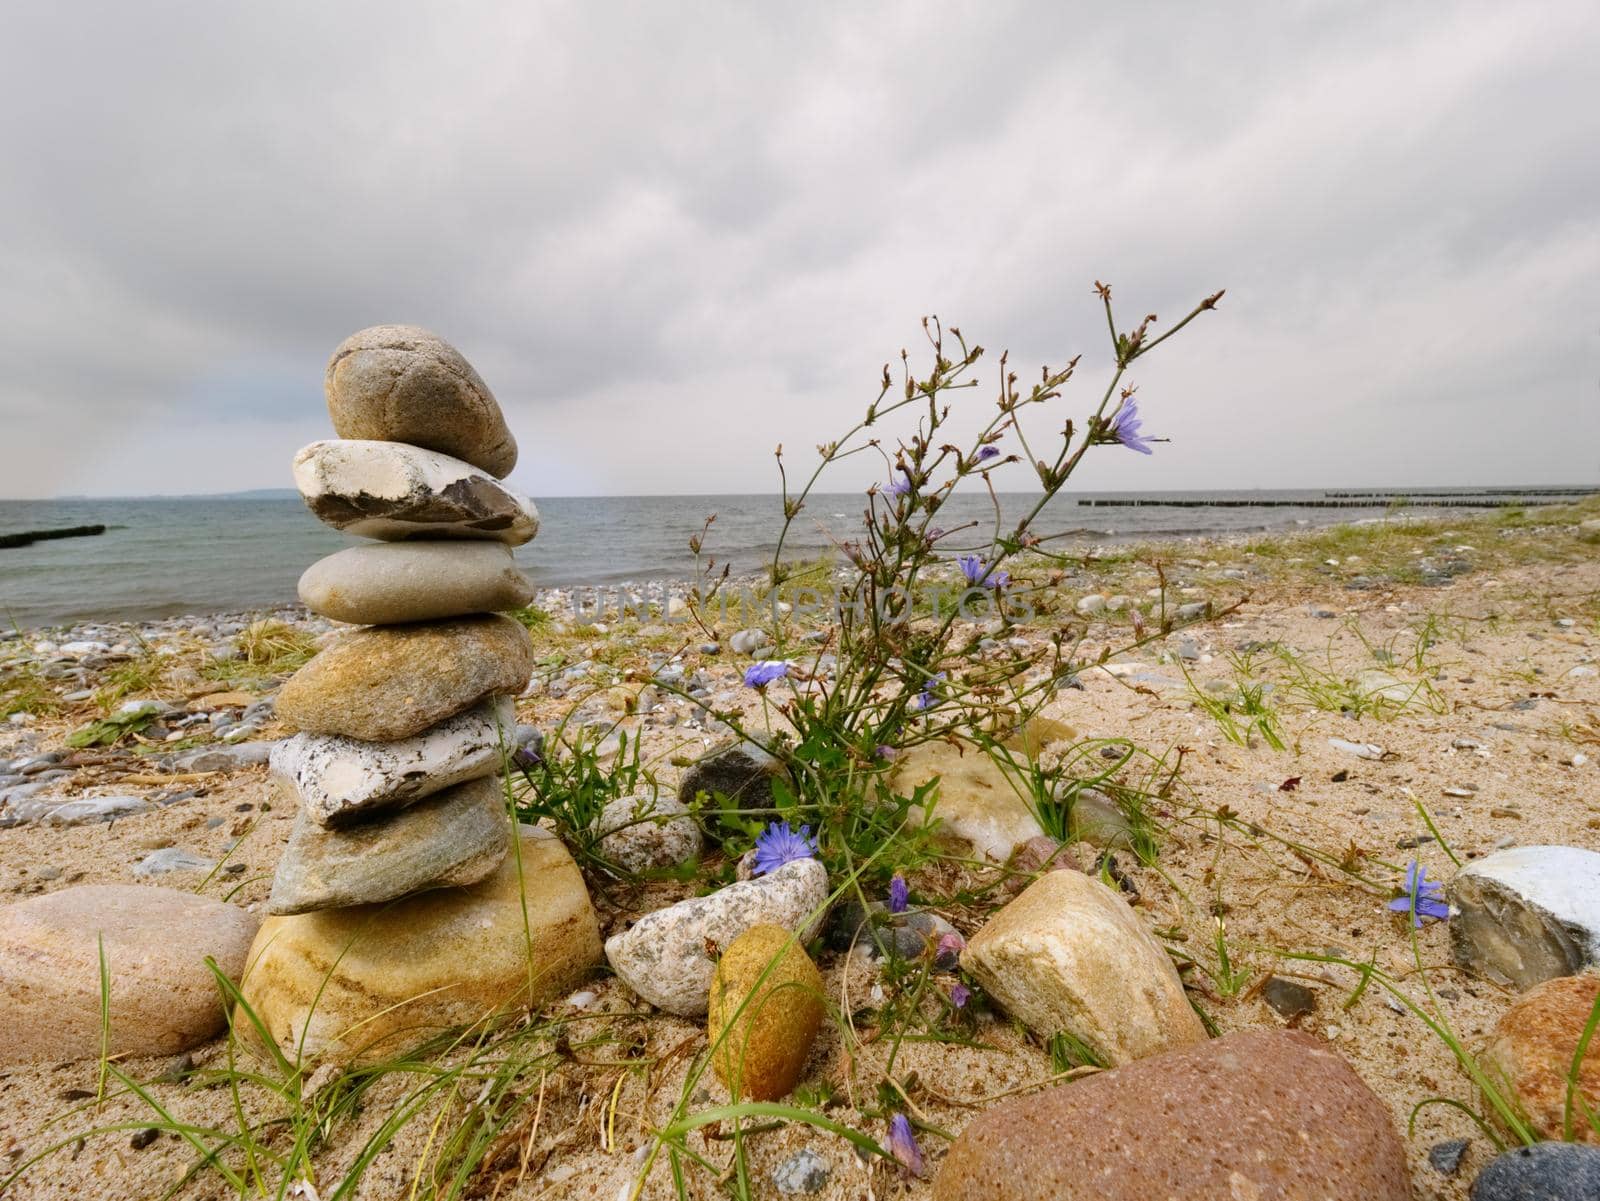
(400, 904)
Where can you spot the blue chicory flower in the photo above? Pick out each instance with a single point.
(885, 752)
(1125, 428)
(898, 894)
(987, 453)
(925, 699)
(1423, 896)
(960, 994)
(977, 574)
(761, 674)
(778, 845)
(901, 486)
(903, 1144)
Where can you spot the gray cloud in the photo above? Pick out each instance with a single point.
(672, 236)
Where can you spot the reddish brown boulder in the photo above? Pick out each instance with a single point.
(1530, 1057)
(1261, 1115)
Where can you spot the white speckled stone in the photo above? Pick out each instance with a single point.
(643, 832)
(662, 957)
(392, 491)
(338, 778)
(1527, 914)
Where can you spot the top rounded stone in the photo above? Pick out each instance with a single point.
(402, 383)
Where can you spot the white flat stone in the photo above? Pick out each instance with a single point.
(662, 956)
(1527, 914)
(393, 491)
(337, 778)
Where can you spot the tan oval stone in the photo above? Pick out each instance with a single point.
(360, 983)
(163, 997)
(768, 1040)
(1261, 1115)
(402, 383)
(1530, 1057)
(387, 583)
(391, 682)
(1070, 955)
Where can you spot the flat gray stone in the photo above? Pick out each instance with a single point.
(338, 779)
(1542, 1172)
(454, 837)
(224, 758)
(55, 811)
(644, 832)
(392, 582)
(402, 383)
(662, 956)
(172, 859)
(1527, 914)
(392, 491)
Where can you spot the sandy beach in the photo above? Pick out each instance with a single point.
(1461, 655)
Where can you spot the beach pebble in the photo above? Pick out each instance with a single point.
(803, 1172)
(394, 682)
(642, 832)
(1531, 1051)
(163, 997)
(390, 582)
(172, 859)
(1259, 1114)
(223, 758)
(1445, 1158)
(748, 642)
(396, 492)
(1361, 750)
(663, 955)
(1527, 914)
(765, 1010)
(337, 778)
(56, 811)
(1288, 999)
(402, 383)
(1542, 1172)
(1089, 606)
(368, 980)
(454, 837)
(1070, 955)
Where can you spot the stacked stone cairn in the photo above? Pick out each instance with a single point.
(400, 905)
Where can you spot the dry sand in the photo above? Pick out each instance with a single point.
(582, 1124)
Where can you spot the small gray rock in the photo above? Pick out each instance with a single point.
(662, 956)
(172, 859)
(1446, 1157)
(53, 811)
(644, 832)
(748, 642)
(1288, 999)
(224, 758)
(803, 1172)
(1527, 914)
(454, 837)
(1542, 1172)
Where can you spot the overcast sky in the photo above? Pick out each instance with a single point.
(672, 235)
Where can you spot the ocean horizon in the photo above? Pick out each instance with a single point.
(166, 556)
